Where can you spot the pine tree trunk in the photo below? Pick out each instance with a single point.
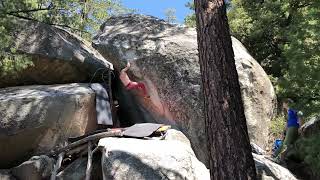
(227, 136)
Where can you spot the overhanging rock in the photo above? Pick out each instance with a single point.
(54, 55)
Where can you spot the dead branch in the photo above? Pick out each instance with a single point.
(57, 166)
(29, 10)
(76, 150)
(89, 164)
(73, 139)
(103, 159)
(52, 24)
(95, 149)
(87, 139)
(90, 156)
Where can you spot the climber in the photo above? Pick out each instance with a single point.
(131, 84)
(291, 130)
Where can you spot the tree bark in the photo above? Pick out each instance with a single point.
(227, 136)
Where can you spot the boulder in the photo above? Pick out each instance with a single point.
(77, 169)
(54, 56)
(256, 149)
(311, 127)
(35, 119)
(5, 174)
(175, 135)
(128, 158)
(165, 58)
(36, 168)
(258, 95)
(267, 169)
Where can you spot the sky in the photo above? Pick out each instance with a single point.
(157, 7)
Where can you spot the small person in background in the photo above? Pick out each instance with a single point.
(132, 84)
(291, 133)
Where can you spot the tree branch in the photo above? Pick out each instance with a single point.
(304, 5)
(53, 24)
(87, 139)
(89, 163)
(66, 26)
(57, 166)
(19, 16)
(29, 10)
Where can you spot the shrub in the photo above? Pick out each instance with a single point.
(278, 125)
(307, 150)
(11, 65)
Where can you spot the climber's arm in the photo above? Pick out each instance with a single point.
(126, 68)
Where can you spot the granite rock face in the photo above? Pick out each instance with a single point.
(36, 168)
(35, 119)
(54, 55)
(5, 174)
(311, 127)
(165, 58)
(128, 158)
(77, 169)
(268, 170)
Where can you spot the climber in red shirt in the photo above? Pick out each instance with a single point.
(131, 84)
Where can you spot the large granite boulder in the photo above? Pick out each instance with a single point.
(35, 119)
(165, 58)
(5, 174)
(268, 170)
(77, 169)
(54, 55)
(312, 127)
(128, 158)
(158, 155)
(36, 168)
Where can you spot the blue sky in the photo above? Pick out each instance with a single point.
(157, 7)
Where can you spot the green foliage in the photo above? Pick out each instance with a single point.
(284, 37)
(12, 65)
(190, 20)
(307, 149)
(278, 125)
(170, 14)
(82, 17)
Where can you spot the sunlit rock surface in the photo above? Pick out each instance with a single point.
(165, 58)
(35, 119)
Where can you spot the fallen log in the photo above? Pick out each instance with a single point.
(103, 159)
(90, 156)
(77, 138)
(57, 166)
(87, 139)
(76, 150)
(89, 164)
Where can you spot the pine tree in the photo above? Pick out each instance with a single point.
(227, 136)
